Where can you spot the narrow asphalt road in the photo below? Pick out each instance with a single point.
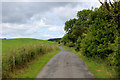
(65, 65)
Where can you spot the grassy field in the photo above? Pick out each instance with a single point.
(13, 44)
(17, 54)
(100, 70)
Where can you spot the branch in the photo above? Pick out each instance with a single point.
(115, 7)
(111, 4)
(100, 2)
(107, 7)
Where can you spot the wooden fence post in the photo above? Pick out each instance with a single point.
(34, 46)
(13, 61)
(23, 56)
(29, 55)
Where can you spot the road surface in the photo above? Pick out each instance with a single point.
(65, 65)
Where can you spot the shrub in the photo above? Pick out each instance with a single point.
(71, 44)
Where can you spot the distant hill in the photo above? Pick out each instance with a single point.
(55, 39)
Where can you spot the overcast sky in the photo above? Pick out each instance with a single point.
(41, 20)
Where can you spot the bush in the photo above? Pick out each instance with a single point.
(58, 42)
(71, 44)
(78, 44)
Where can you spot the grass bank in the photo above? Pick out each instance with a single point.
(35, 66)
(100, 70)
(17, 53)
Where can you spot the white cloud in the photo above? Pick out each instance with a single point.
(64, 13)
(32, 30)
(47, 35)
(52, 28)
(53, 36)
(15, 26)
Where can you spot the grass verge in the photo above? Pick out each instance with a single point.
(99, 70)
(34, 67)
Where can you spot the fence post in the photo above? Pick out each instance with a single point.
(29, 55)
(35, 50)
(13, 60)
(23, 56)
(34, 46)
(13, 63)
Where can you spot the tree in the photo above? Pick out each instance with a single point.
(83, 18)
(69, 24)
(114, 11)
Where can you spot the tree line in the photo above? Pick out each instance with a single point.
(96, 33)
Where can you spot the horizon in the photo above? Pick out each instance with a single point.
(30, 38)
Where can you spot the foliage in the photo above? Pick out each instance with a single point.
(78, 46)
(71, 44)
(69, 24)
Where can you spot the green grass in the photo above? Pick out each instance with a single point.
(100, 70)
(18, 53)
